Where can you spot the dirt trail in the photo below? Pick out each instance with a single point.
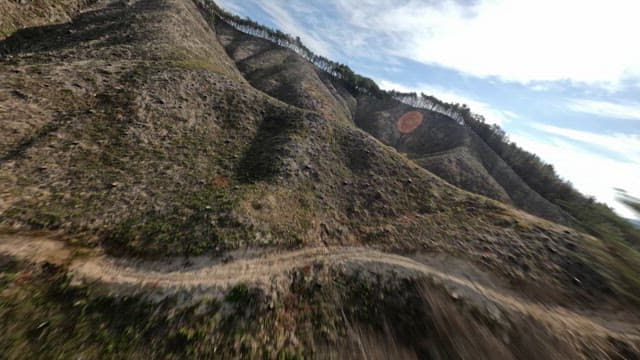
(205, 272)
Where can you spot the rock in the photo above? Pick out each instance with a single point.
(43, 324)
(494, 312)
(20, 94)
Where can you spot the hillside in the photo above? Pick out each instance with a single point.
(455, 153)
(454, 143)
(451, 151)
(170, 187)
(17, 14)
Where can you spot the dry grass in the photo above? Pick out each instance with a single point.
(144, 138)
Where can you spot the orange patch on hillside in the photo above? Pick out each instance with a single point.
(410, 121)
(221, 181)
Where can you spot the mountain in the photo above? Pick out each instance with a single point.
(173, 187)
(451, 142)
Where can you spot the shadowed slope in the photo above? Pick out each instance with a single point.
(477, 168)
(455, 153)
(285, 75)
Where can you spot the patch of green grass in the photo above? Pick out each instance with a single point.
(239, 294)
(191, 227)
(198, 63)
(188, 59)
(618, 263)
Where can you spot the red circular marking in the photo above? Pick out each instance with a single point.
(410, 121)
(221, 181)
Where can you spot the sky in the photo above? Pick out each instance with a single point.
(562, 78)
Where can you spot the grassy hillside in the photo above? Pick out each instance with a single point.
(144, 130)
(489, 164)
(477, 168)
(19, 14)
(484, 171)
(295, 81)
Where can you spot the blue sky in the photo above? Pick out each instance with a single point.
(561, 77)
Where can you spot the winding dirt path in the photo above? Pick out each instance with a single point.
(204, 272)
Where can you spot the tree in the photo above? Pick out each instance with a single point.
(630, 201)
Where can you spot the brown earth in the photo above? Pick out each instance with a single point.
(145, 136)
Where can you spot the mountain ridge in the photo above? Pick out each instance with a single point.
(534, 185)
(132, 136)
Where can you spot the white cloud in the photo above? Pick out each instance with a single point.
(626, 146)
(286, 22)
(230, 5)
(591, 173)
(629, 111)
(518, 40)
(492, 115)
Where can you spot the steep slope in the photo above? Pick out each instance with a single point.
(474, 166)
(129, 132)
(285, 75)
(18, 14)
(455, 153)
